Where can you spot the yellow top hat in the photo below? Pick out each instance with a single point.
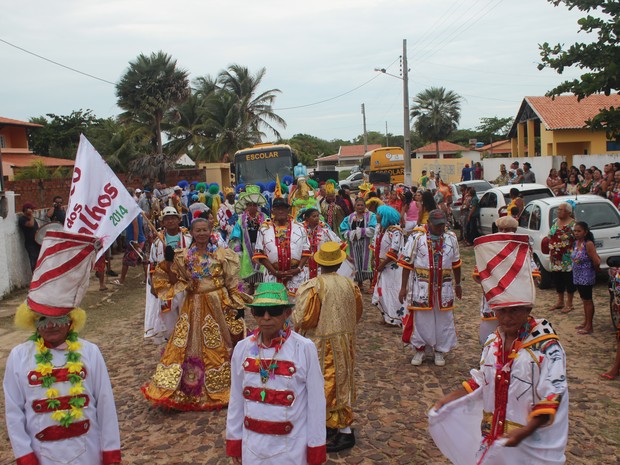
(330, 254)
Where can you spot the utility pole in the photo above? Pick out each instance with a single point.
(387, 140)
(406, 125)
(365, 133)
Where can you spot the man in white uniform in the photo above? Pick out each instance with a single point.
(59, 402)
(276, 412)
(433, 255)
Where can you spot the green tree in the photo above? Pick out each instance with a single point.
(494, 128)
(256, 107)
(437, 112)
(150, 88)
(60, 134)
(36, 170)
(601, 59)
(308, 148)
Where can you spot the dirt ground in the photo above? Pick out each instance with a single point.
(393, 395)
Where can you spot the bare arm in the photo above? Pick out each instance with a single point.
(591, 250)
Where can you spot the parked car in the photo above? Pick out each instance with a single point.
(499, 197)
(601, 215)
(481, 187)
(352, 181)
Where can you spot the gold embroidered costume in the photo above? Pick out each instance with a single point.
(194, 370)
(327, 311)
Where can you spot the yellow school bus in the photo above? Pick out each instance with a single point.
(389, 160)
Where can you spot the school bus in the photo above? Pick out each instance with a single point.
(388, 160)
(262, 162)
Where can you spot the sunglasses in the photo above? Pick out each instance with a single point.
(273, 311)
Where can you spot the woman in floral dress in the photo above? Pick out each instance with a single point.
(561, 241)
(194, 370)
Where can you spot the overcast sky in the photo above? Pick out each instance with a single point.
(485, 50)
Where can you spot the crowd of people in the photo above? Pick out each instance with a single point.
(298, 254)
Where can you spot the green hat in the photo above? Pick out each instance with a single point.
(252, 194)
(269, 295)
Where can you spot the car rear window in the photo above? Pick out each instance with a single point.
(598, 215)
(534, 194)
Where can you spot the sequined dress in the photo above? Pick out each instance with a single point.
(194, 370)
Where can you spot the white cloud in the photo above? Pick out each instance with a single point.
(312, 51)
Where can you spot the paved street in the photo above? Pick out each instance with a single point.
(393, 396)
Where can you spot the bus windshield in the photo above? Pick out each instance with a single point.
(263, 164)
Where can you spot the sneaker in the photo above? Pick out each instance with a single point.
(341, 441)
(111, 273)
(439, 359)
(418, 358)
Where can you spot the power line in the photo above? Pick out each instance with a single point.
(459, 30)
(57, 64)
(438, 22)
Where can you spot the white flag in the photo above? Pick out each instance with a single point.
(99, 204)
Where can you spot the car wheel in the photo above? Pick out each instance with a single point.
(545, 276)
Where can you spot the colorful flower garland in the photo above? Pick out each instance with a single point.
(74, 367)
(198, 264)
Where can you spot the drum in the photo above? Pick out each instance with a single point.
(43, 230)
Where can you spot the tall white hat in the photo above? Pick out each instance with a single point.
(61, 276)
(503, 262)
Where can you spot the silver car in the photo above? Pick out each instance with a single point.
(481, 187)
(352, 181)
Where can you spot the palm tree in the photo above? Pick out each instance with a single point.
(438, 112)
(150, 87)
(256, 108)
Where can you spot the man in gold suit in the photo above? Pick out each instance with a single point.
(327, 311)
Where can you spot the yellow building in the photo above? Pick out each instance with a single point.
(559, 123)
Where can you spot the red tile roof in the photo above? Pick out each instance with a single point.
(495, 145)
(351, 151)
(565, 112)
(16, 122)
(333, 157)
(21, 161)
(444, 146)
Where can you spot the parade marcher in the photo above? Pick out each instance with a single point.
(135, 239)
(244, 234)
(332, 213)
(327, 311)
(488, 323)
(282, 247)
(226, 216)
(433, 256)
(194, 370)
(318, 233)
(359, 229)
(160, 316)
(302, 197)
(277, 401)
(59, 402)
(387, 244)
(519, 395)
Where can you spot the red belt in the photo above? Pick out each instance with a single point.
(271, 396)
(279, 428)
(58, 432)
(41, 406)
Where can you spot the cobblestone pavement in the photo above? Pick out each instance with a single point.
(393, 396)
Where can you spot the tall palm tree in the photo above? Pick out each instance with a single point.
(150, 87)
(438, 112)
(257, 107)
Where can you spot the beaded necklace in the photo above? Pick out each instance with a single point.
(267, 368)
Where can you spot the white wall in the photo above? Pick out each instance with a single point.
(540, 166)
(595, 160)
(13, 258)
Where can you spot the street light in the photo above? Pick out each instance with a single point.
(406, 125)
